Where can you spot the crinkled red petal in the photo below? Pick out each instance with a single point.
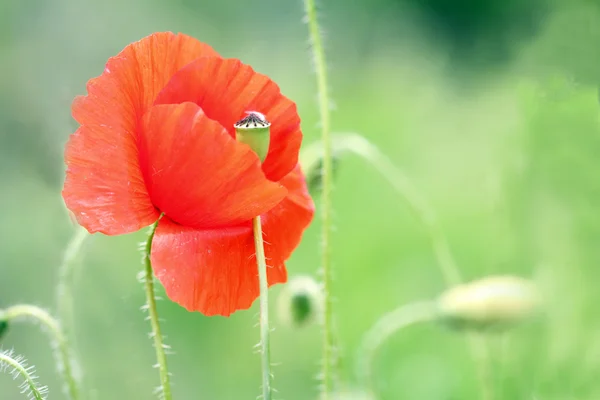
(283, 225)
(197, 174)
(215, 271)
(104, 187)
(226, 89)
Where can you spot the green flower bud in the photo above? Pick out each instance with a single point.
(3, 328)
(311, 162)
(300, 302)
(255, 131)
(492, 302)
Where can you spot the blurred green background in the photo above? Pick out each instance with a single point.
(491, 107)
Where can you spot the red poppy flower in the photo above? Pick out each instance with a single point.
(157, 136)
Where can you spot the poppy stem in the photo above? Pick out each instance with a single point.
(64, 361)
(17, 366)
(329, 359)
(64, 294)
(389, 324)
(159, 346)
(265, 348)
(424, 213)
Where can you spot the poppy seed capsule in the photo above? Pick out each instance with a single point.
(300, 302)
(492, 302)
(255, 131)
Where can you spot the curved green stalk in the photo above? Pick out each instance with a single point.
(329, 361)
(357, 144)
(159, 346)
(384, 328)
(417, 204)
(63, 356)
(17, 366)
(64, 296)
(265, 349)
(64, 291)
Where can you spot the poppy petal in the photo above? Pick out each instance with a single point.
(215, 271)
(283, 225)
(132, 79)
(104, 186)
(197, 174)
(210, 271)
(225, 89)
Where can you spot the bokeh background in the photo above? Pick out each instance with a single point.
(491, 107)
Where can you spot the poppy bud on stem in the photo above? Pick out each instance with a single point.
(494, 302)
(301, 302)
(311, 161)
(357, 144)
(3, 328)
(254, 130)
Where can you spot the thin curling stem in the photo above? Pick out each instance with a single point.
(64, 292)
(159, 346)
(18, 367)
(329, 361)
(417, 204)
(63, 356)
(388, 325)
(423, 212)
(265, 348)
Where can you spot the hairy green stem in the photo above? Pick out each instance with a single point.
(18, 367)
(265, 349)
(159, 346)
(424, 213)
(383, 329)
(63, 353)
(329, 360)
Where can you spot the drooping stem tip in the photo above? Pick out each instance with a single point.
(424, 213)
(59, 341)
(388, 325)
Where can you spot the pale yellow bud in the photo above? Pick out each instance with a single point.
(492, 302)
